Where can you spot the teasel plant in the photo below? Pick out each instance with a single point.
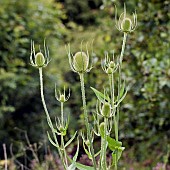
(79, 63)
(39, 60)
(106, 116)
(108, 106)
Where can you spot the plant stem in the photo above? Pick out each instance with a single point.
(105, 145)
(5, 157)
(62, 114)
(111, 82)
(62, 137)
(86, 118)
(48, 117)
(119, 80)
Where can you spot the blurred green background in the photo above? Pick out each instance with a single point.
(145, 112)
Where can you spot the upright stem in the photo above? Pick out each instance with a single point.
(48, 116)
(5, 157)
(120, 80)
(62, 114)
(111, 82)
(62, 137)
(104, 163)
(86, 117)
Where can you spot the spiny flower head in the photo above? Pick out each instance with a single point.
(39, 60)
(61, 97)
(106, 110)
(79, 62)
(109, 66)
(126, 24)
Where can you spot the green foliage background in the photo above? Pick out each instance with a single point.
(145, 114)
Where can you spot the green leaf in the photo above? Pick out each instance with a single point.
(79, 165)
(113, 144)
(103, 98)
(51, 141)
(101, 129)
(83, 167)
(121, 99)
(87, 152)
(76, 154)
(68, 143)
(72, 166)
(117, 154)
(122, 89)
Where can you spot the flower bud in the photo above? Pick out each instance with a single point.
(62, 98)
(109, 70)
(126, 25)
(39, 59)
(87, 142)
(101, 129)
(111, 64)
(80, 61)
(62, 131)
(106, 110)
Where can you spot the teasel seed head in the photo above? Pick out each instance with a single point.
(124, 23)
(106, 110)
(80, 62)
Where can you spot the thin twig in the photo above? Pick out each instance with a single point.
(5, 157)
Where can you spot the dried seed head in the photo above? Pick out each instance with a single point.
(106, 110)
(126, 25)
(39, 59)
(80, 61)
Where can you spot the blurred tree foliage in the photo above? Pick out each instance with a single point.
(82, 12)
(146, 109)
(21, 21)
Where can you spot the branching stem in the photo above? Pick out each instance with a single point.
(62, 137)
(120, 81)
(48, 116)
(86, 118)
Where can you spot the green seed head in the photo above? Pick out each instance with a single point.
(62, 98)
(109, 70)
(101, 129)
(111, 64)
(39, 59)
(80, 61)
(106, 110)
(61, 129)
(87, 142)
(126, 25)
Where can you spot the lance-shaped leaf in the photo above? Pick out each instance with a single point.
(117, 154)
(68, 143)
(113, 144)
(81, 166)
(122, 89)
(121, 99)
(103, 98)
(51, 141)
(73, 165)
(87, 152)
